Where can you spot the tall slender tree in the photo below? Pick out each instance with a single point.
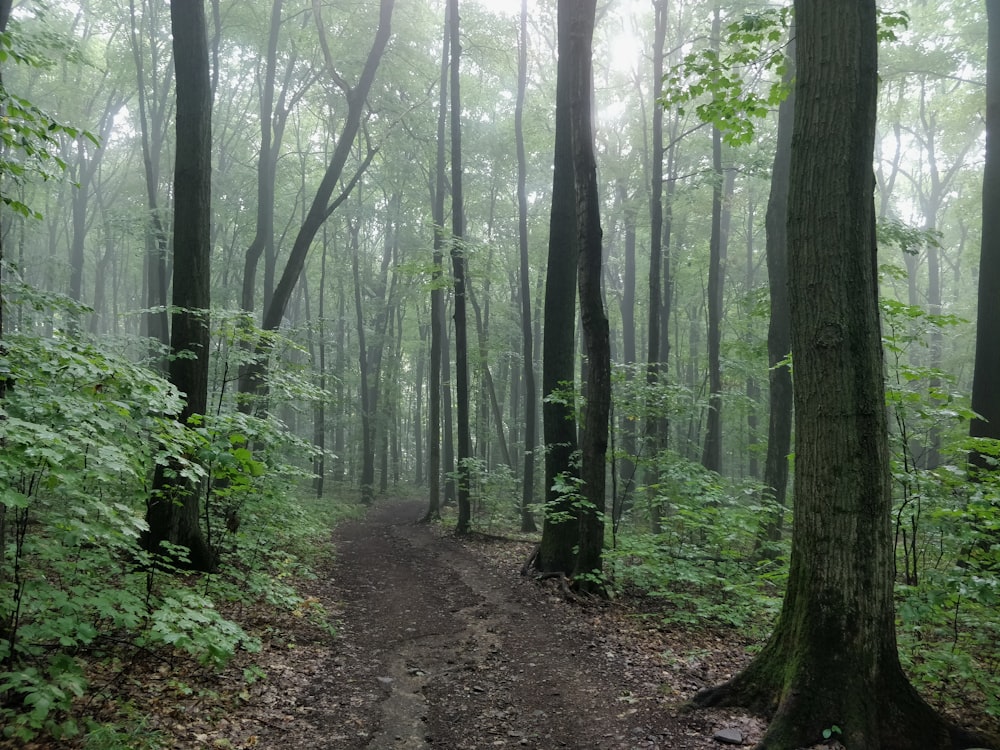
(437, 292)
(560, 528)
(458, 263)
(711, 457)
(656, 428)
(524, 278)
(596, 335)
(779, 426)
(172, 512)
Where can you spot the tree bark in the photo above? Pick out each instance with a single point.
(985, 394)
(560, 526)
(524, 278)
(437, 295)
(173, 509)
(458, 263)
(152, 127)
(832, 658)
(656, 427)
(779, 426)
(596, 335)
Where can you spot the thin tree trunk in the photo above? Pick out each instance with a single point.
(437, 355)
(527, 341)
(779, 426)
(458, 262)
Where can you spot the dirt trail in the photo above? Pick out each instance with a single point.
(442, 647)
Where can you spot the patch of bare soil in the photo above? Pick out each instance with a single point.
(442, 644)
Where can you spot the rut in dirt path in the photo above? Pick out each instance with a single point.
(439, 648)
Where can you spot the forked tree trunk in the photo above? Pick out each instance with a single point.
(253, 380)
(832, 659)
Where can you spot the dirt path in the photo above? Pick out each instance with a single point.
(442, 646)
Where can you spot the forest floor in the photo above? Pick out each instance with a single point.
(436, 643)
(441, 643)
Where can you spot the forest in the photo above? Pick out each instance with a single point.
(674, 314)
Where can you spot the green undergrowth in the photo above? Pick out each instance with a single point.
(703, 564)
(81, 428)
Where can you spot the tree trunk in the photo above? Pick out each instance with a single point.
(596, 336)
(711, 457)
(319, 410)
(832, 658)
(985, 394)
(437, 296)
(656, 427)
(458, 263)
(152, 126)
(173, 509)
(779, 426)
(560, 527)
(524, 278)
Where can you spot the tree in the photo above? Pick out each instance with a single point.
(656, 429)
(458, 265)
(779, 426)
(527, 342)
(253, 377)
(153, 87)
(832, 659)
(172, 510)
(985, 395)
(559, 529)
(596, 334)
(711, 457)
(437, 293)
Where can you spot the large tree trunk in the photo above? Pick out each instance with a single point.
(985, 393)
(596, 336)
(524, 278)
(458, 262)
(832, 659)
(559, 530)
(173, 509)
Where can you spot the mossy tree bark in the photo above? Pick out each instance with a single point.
(832, 660)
